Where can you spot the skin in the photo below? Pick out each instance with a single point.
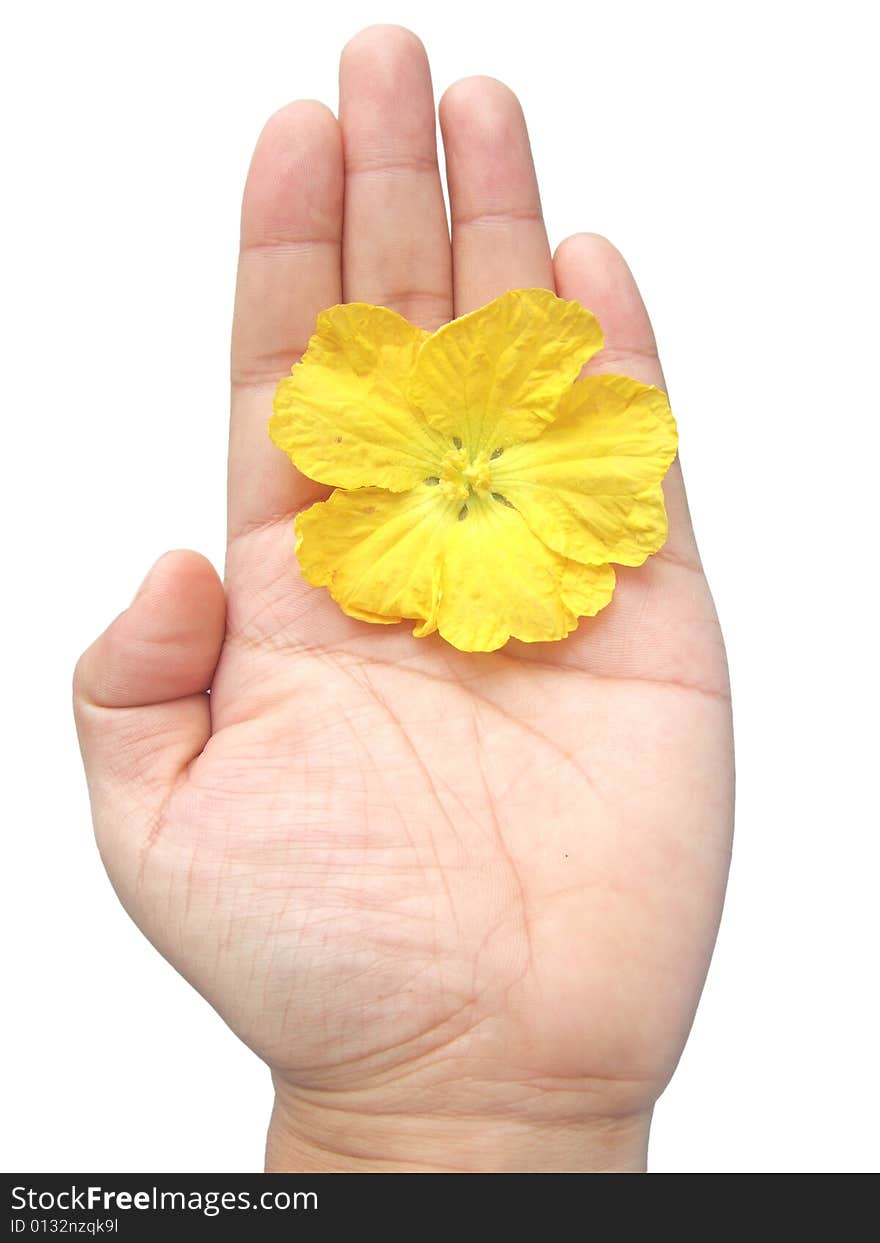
(462, 905)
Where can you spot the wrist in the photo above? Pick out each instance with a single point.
(306, 1137)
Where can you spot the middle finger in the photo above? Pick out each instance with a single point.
(396, 250)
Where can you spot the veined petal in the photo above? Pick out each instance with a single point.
(589, 486)
(378, 552)
(587, 588)
(495, 377)
(342, 415)
(499, 580)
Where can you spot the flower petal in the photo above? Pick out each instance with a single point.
(589, 486)
(587, 588)
(342, 415)
(499, 580)
(378, 552)
(494, 377)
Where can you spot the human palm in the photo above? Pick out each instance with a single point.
(425, 886)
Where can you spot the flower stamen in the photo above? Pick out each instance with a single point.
(461, 478)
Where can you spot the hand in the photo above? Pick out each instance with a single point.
(462, 905)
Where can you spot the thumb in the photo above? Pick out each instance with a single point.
(140, 701)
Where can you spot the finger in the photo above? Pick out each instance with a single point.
(396, 237)
(289, 270)
(591, 271)
(498, 237)
(141, 706)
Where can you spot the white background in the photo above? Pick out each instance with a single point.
(730, 151)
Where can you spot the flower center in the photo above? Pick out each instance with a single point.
(462, 476)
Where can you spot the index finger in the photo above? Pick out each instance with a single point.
(289, 270)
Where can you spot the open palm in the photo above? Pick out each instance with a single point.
(447, 897)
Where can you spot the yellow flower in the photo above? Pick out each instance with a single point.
(482, 490)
